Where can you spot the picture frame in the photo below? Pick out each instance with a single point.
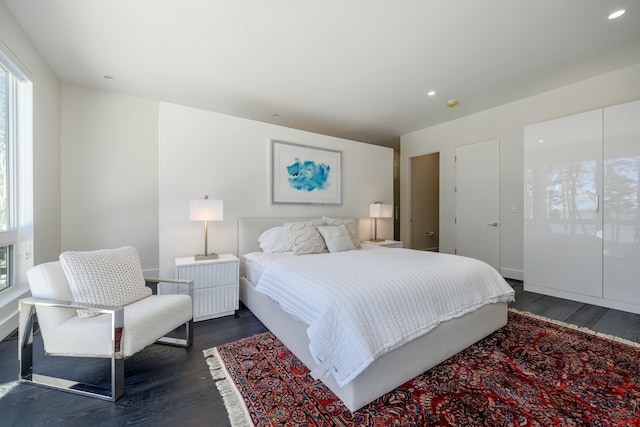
(305, 175)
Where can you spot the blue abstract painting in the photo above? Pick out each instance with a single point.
(308, 175)
(305, 175)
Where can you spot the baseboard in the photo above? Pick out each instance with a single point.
(587, 299)
(510, 273)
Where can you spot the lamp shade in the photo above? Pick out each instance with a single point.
(378, 210)
(206, 210)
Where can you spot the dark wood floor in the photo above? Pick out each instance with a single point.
(170, 386)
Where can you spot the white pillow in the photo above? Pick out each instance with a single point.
(305, 237)
(350, 225)
(336, 238)
(107, 276)
(275, 240)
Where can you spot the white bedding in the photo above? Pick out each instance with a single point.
(361, 304)
(256, 262)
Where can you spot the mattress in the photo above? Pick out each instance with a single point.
(360, 305)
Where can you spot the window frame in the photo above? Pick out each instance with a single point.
(18, 238)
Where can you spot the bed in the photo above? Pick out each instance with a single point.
(386, 372)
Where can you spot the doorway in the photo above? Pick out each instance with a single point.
(425, 202)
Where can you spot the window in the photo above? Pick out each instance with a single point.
(6, 267)
(9, 93)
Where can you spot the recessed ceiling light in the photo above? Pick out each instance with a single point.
(109, 77)
(276, 116)
(617, 14)
(431, 93)
(452, 103)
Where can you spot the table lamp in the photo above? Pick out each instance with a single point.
(206, 210)
(378, 210)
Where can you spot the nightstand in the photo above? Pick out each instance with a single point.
(386, 243)
(215, 285)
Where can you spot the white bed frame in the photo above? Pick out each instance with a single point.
(387, 372)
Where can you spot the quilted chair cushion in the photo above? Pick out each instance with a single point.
(145, 321)
(107, 276)
(64, 333)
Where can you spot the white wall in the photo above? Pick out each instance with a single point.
(227, 158)
(46, 137)
(505, 123)
(109, 172)
(46, 158)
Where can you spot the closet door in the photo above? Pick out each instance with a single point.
(621, 199)
(562, 215)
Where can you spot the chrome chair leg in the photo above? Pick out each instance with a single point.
(25, 342)
(187, 341)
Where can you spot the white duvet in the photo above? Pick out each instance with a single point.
(362, 304)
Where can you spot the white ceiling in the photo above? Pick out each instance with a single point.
(356, 69)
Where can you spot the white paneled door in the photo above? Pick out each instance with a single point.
(478, 201)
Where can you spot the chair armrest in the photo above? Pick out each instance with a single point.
(44, 302)
(178, 281)
(152, 282)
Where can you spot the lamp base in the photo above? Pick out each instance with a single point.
(201, 257)
(377, 240)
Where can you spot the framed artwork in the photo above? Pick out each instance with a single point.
(305, 175)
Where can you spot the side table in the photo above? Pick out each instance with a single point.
(215, 285)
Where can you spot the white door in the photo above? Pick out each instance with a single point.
(478, 201)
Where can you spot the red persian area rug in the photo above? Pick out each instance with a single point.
(532, 372)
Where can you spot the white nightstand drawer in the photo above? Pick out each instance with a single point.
(215, 302)
(215, 283)
(209, 275)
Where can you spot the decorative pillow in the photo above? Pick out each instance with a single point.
(107, 276)
(351, 227)
(274, 240)
(336, 238)
(305, 237)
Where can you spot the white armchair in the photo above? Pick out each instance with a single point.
(114, 332)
